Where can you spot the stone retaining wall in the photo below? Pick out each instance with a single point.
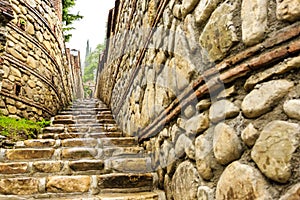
(211, 88)
(37, 74)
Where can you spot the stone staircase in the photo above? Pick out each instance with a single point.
(82, 155)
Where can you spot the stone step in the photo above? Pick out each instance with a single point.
(112, 196)
(87, 121)
(120, 142)
(80, 153)
(19, 186)
(64, 117)
(86, 165)
(104, 116)
(27, 154)
(126, 183)
(44, 168)
(122, 151)
(106, 121)
(53, 129)
(37, 143)
(85, 117)
(30, 154)
(105, 134)
(92, 128)
(104, 112)
(129, 165)
(80, 142)
(78, 112)
(55, 143)
(155, 195)
(71, 135)
(63, 121)
(61, 136)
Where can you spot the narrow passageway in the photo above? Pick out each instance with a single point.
(82, 155)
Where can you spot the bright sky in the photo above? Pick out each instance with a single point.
(92, 27)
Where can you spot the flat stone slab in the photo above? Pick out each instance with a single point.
(53, 129)
(68, 184)
(64, 121)
(48, 166)
(125, 182)
(27, 154)
(120, 151)
(85, 165)
(40, 143)
(13, 168)
(129, 165)
(19, 186)
(126, 141)
(63, 117)
(105, 134)
(79, 142)
(77, 153)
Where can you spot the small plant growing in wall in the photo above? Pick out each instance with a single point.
(20, 129)
(22, 24)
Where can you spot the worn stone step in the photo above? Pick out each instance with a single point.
(68, 184)
(63, 117)
(93, 125)
(85, 117)
(76, 129)
(37, 143)
(129, 165)
(84, 106)
(125, 183)
(45, 168)
(87, 121)
(61, 136)
(122, 151)
(78, 112)
(108, 128)
(106, 121)
(80, 142)
(28, 154)
(14, 168)
(53, 129)
(104, 116)
(104, 112)
(63, 121)
(120, 142)
(92, 128)
(86, 165)
(19, 186)
(105, 134)
(155, 195)
(80, 153)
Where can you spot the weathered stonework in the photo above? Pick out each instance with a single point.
(240, 181)
(254, 30)
(201, 90)
(37, 74)
(274, 149)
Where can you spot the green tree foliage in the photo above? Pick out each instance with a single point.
(69, 18)
(92, 64)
